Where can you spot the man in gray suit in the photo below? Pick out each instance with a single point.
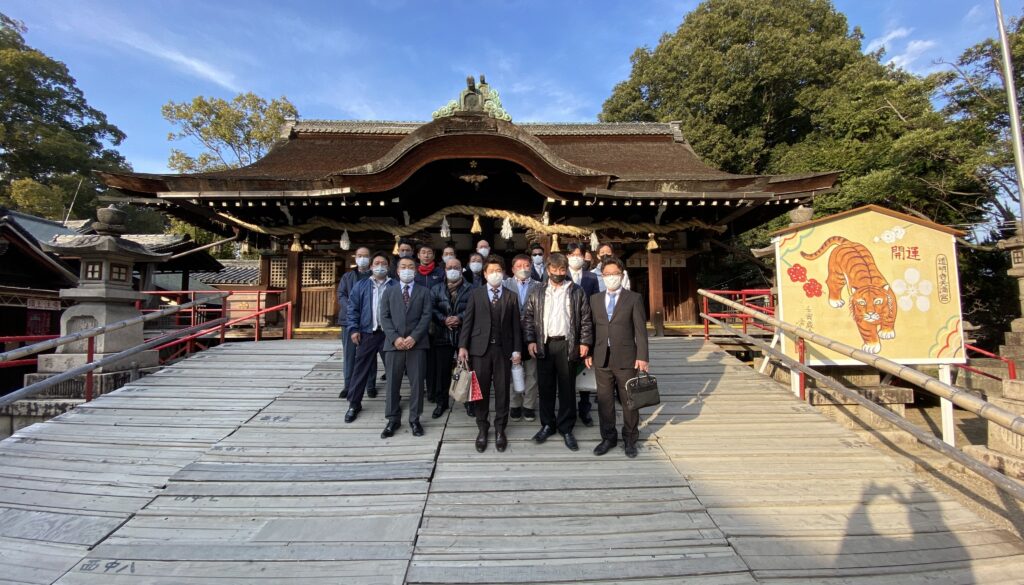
(523, 404)
(620, 349)
(405, 319)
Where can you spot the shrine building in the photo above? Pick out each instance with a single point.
(470, 173)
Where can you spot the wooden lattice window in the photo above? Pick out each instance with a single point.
(119, 272)
(93, 271)
(278, 272)
(318, 271)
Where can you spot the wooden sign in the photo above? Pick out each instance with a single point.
(875, 279)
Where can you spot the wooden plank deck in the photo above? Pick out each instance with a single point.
(235, 466)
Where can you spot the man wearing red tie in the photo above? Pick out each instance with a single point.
(620, 350)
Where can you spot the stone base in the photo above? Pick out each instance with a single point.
(75, 387)
(24, 413)
(61, 362)
(1009, 465)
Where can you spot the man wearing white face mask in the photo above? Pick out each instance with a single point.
(620, 350)
(405, 317)
(364, 329)
(345, 286)
(586, 280)
(483, 248)
(474, 273)
(448, 301)
(523, 404)
(603, 254)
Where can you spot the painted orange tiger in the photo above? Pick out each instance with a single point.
(872, 304)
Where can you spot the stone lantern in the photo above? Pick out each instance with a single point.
(104, 295)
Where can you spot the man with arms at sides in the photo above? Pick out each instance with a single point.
(537, 255)
(491, 336)
(364, 329)
(603, 253)
(620, 349)
(474, 273)
(448, 305)
(405, 317)
(348, 282)
(428, 273)
(558, 330)
(587, 280)
(524, 403)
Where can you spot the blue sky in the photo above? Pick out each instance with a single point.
(552, 61)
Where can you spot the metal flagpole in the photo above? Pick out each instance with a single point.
(1011, 98)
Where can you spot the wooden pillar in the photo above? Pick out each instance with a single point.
(264, 271)
(655, 292)
(293, 288)
(184, 279)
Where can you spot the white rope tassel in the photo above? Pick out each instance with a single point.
(446, 229)
(345, 243)
(594, 243)
(506, 229)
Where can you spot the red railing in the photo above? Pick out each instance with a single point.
(22, 339)
(190, 341)
(758, 299)
(1011, 367)
(201, 314)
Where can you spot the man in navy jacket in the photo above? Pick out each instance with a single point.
(363, 326)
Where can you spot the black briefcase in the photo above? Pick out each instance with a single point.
(642, 391)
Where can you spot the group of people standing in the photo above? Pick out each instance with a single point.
(552, 316)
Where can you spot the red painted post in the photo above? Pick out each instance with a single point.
(707, 330)
(801, 352)
(89, 356)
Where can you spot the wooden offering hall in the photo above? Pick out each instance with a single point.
(471, 173)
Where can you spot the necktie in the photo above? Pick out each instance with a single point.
(611, 305)
(405, 294)
(494, 296)
(522, 293)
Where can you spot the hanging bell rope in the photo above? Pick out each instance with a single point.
(521, 220)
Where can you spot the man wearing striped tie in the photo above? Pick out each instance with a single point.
(620, 350)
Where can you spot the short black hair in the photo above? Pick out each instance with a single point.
(613, 261)
(381, 254)
(558, 260)
(520, 257)
(421, 246)
(573, 246)
(494, 259)
(406, 242)
(534, 246)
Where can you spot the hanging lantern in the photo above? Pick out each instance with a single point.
(554, 243)
(296, 244)
(446, 230)
(506, 229)
(594, 243)
(476, 229)
(652, 244)
(394, 251)
(345, 242)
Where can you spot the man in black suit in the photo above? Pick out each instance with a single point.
(405, 318)
(620, 349)
(491, 335)
(587, 280)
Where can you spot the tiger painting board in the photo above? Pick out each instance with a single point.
(874, 279)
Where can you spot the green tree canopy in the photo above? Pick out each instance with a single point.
(232, 134)
(50, 137)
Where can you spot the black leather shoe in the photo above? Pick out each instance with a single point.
(586, 419)
(603, 447)
(469, 409)
(372, 392)
(500, 440)
(389, 430)
(481, 441)
(353, 412)
(631, 450)
(417, 428)
(438, 411)
(543, 434)
(344, 393)
(570, 442)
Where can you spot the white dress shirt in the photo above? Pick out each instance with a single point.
(556, 311)
(378, 291)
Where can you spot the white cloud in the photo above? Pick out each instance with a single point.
(975, 14)
(914, 50)
(192, 65)
(889, 37)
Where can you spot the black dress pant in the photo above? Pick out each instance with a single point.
(608, 380)
(493, 369)
(440, 361)
(556, 378)
(365, 365)
(411, 364)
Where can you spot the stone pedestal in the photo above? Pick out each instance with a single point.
(1005, 450)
